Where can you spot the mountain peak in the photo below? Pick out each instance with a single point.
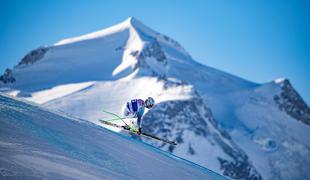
(131, 20)
(291, 102)
(134, 22)
(129, 23)
(139, 27)
(281, 80)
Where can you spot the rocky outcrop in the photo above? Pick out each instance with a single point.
(33, 56)
(291, 102)
(145, 58)
(153, 50)
(7, 76)
(174, 119)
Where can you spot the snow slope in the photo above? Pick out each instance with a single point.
(195, 122)
(37, 143)
(230, 125)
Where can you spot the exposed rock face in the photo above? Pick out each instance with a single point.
(33, 56)
(145, 59)
(154, 50)
(174, 119)
(175, 43)
(239, 168)
(7, 77)
(292, 103)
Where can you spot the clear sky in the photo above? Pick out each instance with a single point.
(259, 40)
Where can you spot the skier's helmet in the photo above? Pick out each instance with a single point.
(149, 102)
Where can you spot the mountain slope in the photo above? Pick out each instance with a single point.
(36, 143)
(184, 112)
(231, 125)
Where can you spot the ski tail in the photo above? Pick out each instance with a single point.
(160, 139)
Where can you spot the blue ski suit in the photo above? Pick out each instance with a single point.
(134, 109)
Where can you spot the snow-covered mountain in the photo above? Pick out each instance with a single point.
(235, 127)
(36, 143)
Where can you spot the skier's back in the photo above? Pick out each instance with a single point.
(135, 109)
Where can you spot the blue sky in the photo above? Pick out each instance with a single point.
(258, 40)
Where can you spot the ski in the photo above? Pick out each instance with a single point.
(127, 128)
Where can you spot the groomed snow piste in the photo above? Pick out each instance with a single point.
(36, 143)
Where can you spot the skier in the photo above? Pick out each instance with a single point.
(135, 109)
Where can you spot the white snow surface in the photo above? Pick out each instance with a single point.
(36, 143)
(102, 70)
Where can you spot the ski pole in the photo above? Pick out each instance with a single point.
(115, 119)
(115, 115)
